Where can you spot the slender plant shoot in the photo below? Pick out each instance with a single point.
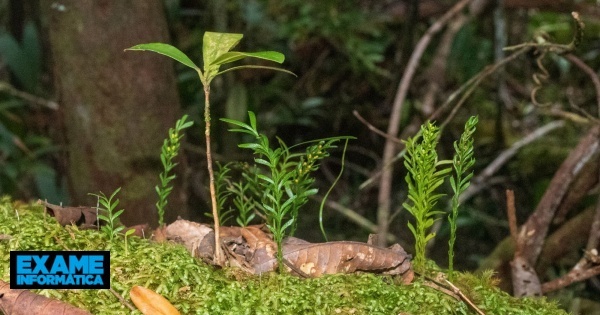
(110, 217)
(215, 53)
(168, 152)
(463, 161)
(423, 179)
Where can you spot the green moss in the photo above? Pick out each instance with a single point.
(195, 288)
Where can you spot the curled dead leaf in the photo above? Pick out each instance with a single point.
(151, 303)
(316, 259)
(254, 250)
(85, 217)
(24, 302)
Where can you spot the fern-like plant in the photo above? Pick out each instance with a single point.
(461, 163)
(108, 214)
(168, 152)
(423, 178)
(286, 185)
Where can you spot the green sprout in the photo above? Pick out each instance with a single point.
(108, 214)
(168, 152)
(286, 185)
(423, 179)
(463, 160)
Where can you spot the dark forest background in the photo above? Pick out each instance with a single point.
(79, 115)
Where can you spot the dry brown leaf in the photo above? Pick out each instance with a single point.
(254, 250)
(80, 216)
(151, 303)
(316, 259)
(24, 302)
(198, 239)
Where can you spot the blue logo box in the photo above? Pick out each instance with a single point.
(59, 269)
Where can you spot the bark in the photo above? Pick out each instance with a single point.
(117, 106)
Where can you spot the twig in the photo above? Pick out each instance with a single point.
(590, 72)
(577, 274)
(538, 223)
(434, 285)
(123, 301)
(594, 238)
(27, 97)
(492, 168)
(375, 129)
(454, 291)
(511, 212)
(570, 116)
(464, 298)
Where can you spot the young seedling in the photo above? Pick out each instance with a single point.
(286, 185)
(463, 160)
(222, 184)
(110, 228)
(423, 178)
(168, 152)
(215, 53)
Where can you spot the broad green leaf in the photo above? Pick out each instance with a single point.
(167, 50)
(216, 44)
(257, 67)
(213, 46)
(237, 55)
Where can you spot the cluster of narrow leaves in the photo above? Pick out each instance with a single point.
(109, 215)
(240, 196)
(426, 174)
(423, 178)
(286, 184)
(462, 162)
(168, 152)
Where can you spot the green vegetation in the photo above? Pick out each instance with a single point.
(287, 183)
(425, 175)
(423, 178)
(463, 161)
(108, 214)
(168, 152)
(215, 52)
(196, 288)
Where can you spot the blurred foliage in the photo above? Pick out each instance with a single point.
(24, 151)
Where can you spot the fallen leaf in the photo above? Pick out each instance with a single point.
(151, 303)
(316, 259)
(80, 216)
(24, 302)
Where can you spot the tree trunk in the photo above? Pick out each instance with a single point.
(117, 106)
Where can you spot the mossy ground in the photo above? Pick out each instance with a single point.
(196, 288)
